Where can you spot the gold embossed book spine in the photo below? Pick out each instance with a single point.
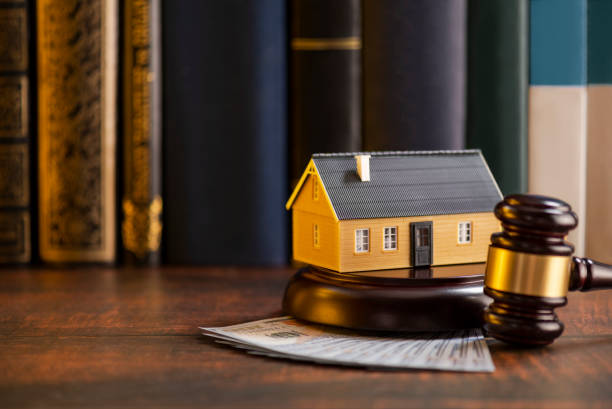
(142, 206)
(15, 130)
(77, 82)
(324, 79)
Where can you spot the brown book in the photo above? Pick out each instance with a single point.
(15, 130)
(142, 203)
(77, 82)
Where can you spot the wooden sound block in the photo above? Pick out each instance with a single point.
(430, 299)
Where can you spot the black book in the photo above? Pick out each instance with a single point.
(325, 79)
(225, 132)
(414, 73)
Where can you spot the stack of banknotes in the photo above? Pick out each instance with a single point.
(286, 337)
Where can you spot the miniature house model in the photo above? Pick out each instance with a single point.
(381, 210)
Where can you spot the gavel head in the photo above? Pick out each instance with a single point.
(528, 269)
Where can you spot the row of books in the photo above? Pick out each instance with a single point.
(529, 82)
(525, 81)
(570, 126)
(75, 113)
(233, 97)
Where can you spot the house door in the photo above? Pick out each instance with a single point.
(421, 243)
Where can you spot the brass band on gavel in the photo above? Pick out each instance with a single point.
(540, 275)
(528, 269)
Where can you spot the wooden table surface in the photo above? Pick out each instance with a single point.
(95, 337)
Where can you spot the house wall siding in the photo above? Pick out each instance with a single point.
(305, 202)
(327, 254)
(446, 249)
(306, 212)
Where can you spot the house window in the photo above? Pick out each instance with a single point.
(390, 238)
(362, 240)
(315, 188)
(464, 233)
(315, 235)
(422, 237)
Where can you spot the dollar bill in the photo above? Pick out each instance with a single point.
(286, 337)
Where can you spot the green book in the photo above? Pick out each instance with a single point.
(497, 88)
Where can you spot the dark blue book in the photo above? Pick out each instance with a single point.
(225, 132)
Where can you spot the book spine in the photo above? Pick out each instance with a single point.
(77, 81)
(325, 79)
(498, 72)
(414, 74)
(558, 105)
(142, 201)
(225, 132)
(15, 130)
(599, 132)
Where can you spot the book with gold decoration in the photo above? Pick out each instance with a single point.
(141, 226)
(15, 130)
(324, 80)
(77, 84)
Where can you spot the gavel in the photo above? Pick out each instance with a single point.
(530, 269)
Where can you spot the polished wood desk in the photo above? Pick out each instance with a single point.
(84, 337)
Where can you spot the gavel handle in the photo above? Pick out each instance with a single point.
(587, 275)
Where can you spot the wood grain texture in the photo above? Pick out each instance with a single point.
(129, 337)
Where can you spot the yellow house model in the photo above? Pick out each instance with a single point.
(381, 210)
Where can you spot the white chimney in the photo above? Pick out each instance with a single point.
(363, 167)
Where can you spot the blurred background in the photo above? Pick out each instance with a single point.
(151, 131)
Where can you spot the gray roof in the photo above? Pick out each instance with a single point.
(404, 184)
